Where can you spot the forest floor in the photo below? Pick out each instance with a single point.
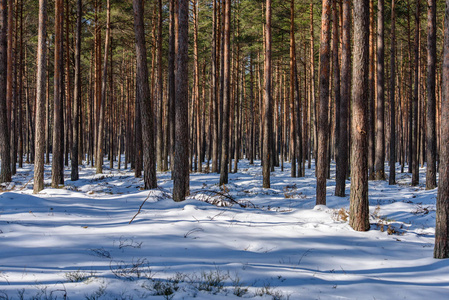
(229, 242)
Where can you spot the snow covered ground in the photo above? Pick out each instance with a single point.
(222, 243)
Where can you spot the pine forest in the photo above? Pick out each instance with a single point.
(220, 149)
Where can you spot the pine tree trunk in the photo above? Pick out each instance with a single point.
(415, 140)
(292, 91)
(101, 118)
(41, 82)
(371, 96)
(77, 95)
(181, 154)
(441, 249)
(392, 177)
(57, 162)
(359, 205)
(5, 174)
(431, 149)
(226, 94)
(380, 134)
(323, 108)
(336, 71)
(267, 101)
(144, 99)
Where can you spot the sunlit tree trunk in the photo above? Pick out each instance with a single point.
(181, 155)
(323, 108)
(77, 95)
(441, 249)
(359, 205)
(267, 100)
(431, 149)
(392, 177)
(40, 98)
(144, 99)
(5, 174)
(57, 162)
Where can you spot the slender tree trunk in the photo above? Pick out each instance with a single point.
(292, 90)
(392, 177)
(226, 94)
(431, 149)
(441, 249)
(57, 165)
(160, 101)
(342, 159)
(5, 174)
(323, 126)
(181, 157)
(312, 81)
(101, 118)
(77, 95)
(371, 96)
(336, 71)
(144, 99)
(359, 205)
(380, 134)
(197, 90)
(415, 141)
(171, 80)
(40, 98)
(267, 100)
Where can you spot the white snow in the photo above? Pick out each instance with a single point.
(221, 243)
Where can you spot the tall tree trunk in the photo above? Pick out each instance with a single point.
(415, 154)
(101, 118)
(292, 90)
(392, 177)
(431, 149)
(342, 160)
(441, 249)
(160, 93)
(5, 174)
(57, 163)
(336, 75)
(171, 80)
(9, 90)
(312, 80)
(268, 129)
(371, 96)
(41, 82)
(181, 157)
(144, 99)
(77, 94)
(323, 126)
(380, 134)
(359, 205)
(226, 94)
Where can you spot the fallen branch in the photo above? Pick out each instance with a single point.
(140, 208)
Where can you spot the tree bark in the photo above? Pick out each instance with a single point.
(181, 155)
(323, 126)
(77, 95)
(267, 100)
(41, 82)
(431, 149)
(359, 205)
(144, 98)
(57, 162)
(101, 117)
(380, 134)
(5, 174)
(392, 177)
(342, 160)
(441, 249)
(226, 94)
(415, 140)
